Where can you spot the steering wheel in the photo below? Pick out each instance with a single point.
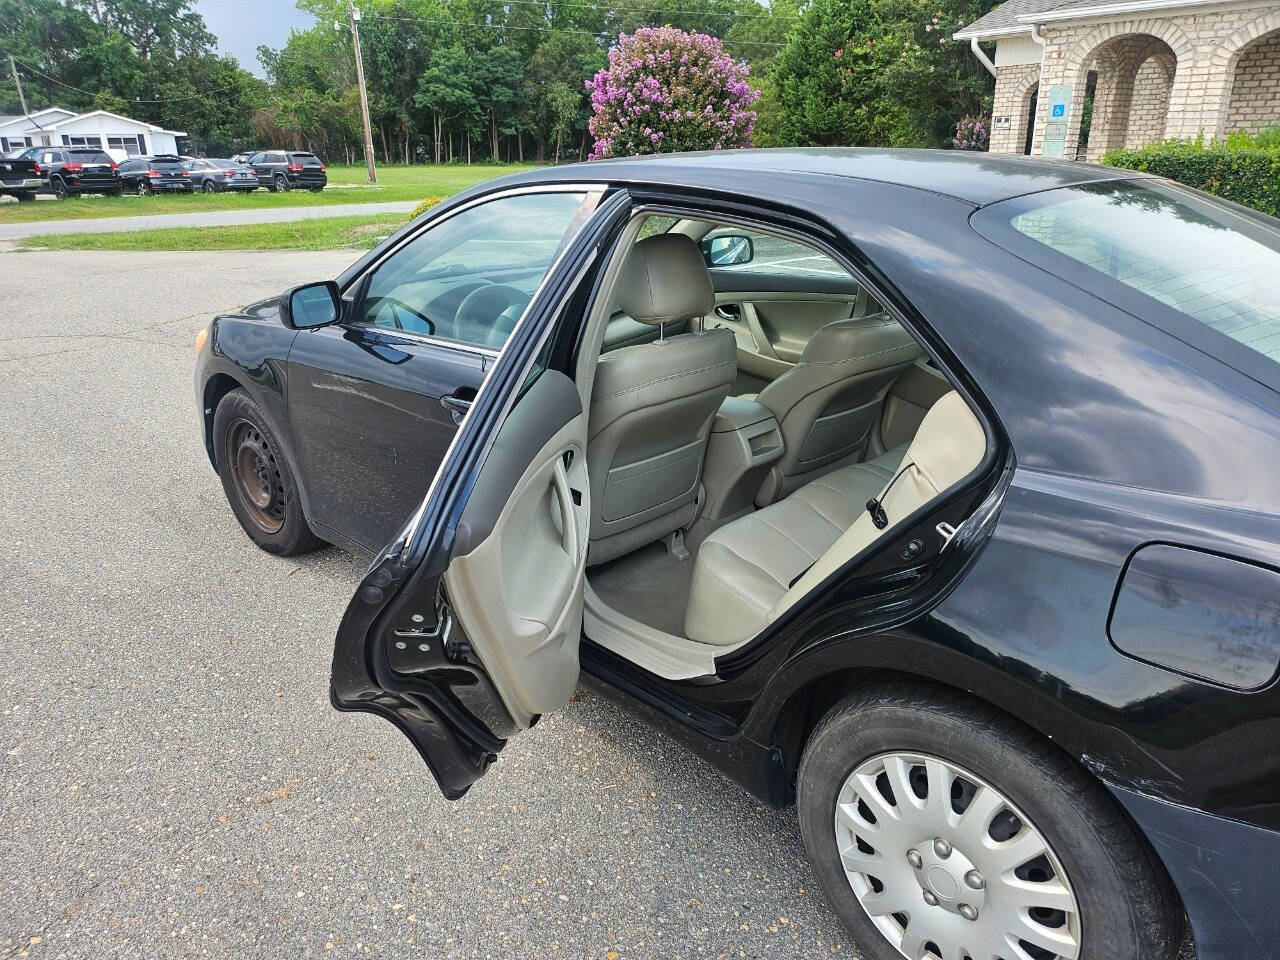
(494, 309)
(395, 307)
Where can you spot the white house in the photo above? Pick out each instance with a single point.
(119, 136)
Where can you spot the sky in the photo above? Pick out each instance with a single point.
(242, 25)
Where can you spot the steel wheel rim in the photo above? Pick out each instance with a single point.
(948, 868)
(256, 476)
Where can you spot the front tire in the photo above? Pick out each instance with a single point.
(939, 826)
(257, 479)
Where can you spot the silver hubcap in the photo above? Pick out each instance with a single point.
(948, 868)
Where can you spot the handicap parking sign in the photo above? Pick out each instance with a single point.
(1059, 109)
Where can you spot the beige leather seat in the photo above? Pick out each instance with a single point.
(652, 404)
(751, 570)
(827, 404)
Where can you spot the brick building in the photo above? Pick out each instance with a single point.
(1153, 69)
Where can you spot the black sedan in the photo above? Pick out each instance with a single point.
(218, 176)
(163, 173)
(931, 492)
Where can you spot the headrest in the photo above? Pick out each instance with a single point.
(665, 280)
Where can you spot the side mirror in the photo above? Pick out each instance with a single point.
(311, 305)
(727, 250)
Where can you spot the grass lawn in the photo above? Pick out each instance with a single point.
(346, 185)
(329, 233)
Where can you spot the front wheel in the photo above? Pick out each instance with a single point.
(257, 479)
(940, 828)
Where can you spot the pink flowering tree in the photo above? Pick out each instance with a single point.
(972, 133)
(666, 90)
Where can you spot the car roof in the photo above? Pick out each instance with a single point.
(976, 178)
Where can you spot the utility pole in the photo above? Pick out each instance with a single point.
(18, 83)
(354, 14)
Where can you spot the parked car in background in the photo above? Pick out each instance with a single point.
(214, 176)
(74, 170)
(930, 491)
(243, 157)
(280, 170)
(163, 173)
(21, 177)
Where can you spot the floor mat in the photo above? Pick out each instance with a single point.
(648, 585)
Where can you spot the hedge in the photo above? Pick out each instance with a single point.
(1244, 169)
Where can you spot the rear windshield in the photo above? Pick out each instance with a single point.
(88, 156)
(1200, 258)
(306, 159)
(226, 164)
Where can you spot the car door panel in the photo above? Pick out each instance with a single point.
(371, 416)
(467, 625)
(772, 327)
(527, 544)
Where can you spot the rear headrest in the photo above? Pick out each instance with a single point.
(665, 280)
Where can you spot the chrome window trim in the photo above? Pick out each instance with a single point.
(427, 338)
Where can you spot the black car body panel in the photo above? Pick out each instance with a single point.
(22, 177)
(1121, 434)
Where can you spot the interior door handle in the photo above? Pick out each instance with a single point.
(568, 523)
(729, 311)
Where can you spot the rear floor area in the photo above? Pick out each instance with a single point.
(648, 585)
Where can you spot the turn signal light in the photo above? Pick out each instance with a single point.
(201, 337)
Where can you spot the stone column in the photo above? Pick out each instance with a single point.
(1009, 107)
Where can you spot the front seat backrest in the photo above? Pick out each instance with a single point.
(652, 404)
(827, 404)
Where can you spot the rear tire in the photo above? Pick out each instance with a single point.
(144, 188)
(280, 184)
(59, 188)
(24, 197)
(210, 187)
(257, 478)
(1121, 898)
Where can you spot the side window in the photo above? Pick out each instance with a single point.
(766, 254)
(276, 158)
(470, 277)
(256, 158)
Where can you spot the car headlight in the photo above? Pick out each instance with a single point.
(201, 337)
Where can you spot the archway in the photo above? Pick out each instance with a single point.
(1031, 99)
(1131, 99)
(1255, 86)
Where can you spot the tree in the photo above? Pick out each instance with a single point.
(667, 90)
(875, 72)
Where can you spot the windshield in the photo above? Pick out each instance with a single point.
(1202, 259)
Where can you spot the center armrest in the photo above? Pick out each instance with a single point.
(738, 412)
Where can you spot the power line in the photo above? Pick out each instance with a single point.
(602, 8)
(122, 99)
(542, 28)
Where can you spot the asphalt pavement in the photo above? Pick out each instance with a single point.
(173, 782)
(204, 218)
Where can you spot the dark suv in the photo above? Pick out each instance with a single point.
(71, 170)
(161, 173)
(280, 170)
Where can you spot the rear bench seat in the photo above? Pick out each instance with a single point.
(744, 573)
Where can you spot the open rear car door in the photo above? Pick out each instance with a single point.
(466, 628)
